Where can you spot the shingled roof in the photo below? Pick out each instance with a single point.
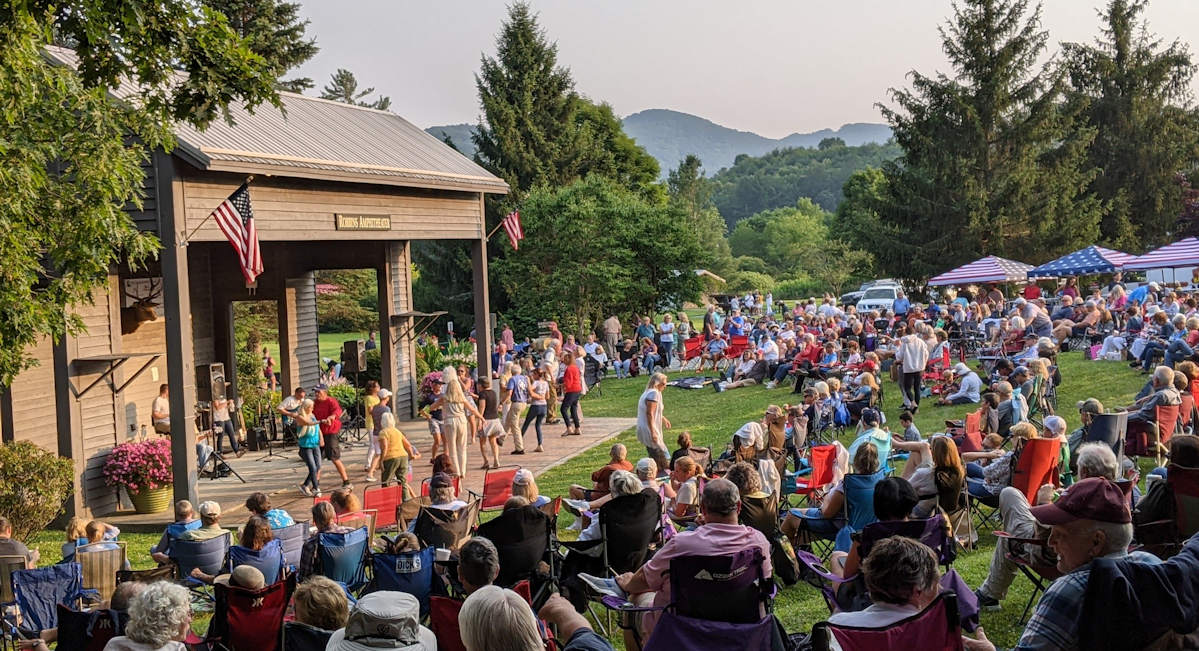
(322, 139)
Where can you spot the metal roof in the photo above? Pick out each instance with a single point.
(322, 139)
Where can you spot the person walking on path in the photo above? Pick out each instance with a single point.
(455, 408)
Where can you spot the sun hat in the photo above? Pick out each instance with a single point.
(246, 577)
(1090, 406)
(383, 620)
(960, 368)
(384, 393)
(1094, 498)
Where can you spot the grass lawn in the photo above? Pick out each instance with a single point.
(712, 418)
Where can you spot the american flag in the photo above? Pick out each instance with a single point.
(235, 217)
(512, 226)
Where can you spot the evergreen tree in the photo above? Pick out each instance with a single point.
(273, 30)
(527, 134)
(1135, 95)
(343, 87)
(992, 162)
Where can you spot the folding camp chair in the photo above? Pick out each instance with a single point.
(8, 565)
(38, 592)
(936, 628)
(268, 560)
(969, 438)
(717, 602)
(88, 630)
(408, 510)
(383, 500)
(445, 528)
(424, 486)
(443, 620)
(820, 474)
(1186, 413)
(342, 556)
(173, 531)
(292, 538)
(302, 637)
(693, 349)
(364, 518)
(1144, 439)
(100, 562)
(408, 571)
(593, 375)
(168, 572)
(1164, 538)
(1110, 429)
(522, 537)
(209, 556)
(497, 487)
(250, 620)
(1036, 465)
(1039, 574)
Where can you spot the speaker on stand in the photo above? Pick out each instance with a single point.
(353, 360)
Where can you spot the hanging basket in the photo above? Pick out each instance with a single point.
(153, 500)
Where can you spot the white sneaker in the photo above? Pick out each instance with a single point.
(578, 506)
(770, 385)
(305, 491)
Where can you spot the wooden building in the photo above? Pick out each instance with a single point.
(336, 187)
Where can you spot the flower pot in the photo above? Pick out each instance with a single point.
(151, 500)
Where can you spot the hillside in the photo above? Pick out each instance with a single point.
(669, 136)
(781, 177)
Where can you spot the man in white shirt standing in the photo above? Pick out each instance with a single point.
(912, 356)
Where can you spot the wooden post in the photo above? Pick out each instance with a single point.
(176, 297)
(389, 351)
(482, 306)
(70, 441)
(289, 366)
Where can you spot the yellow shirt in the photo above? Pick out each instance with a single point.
(369, 403)
(395, 443)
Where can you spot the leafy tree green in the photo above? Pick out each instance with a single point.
(691, 192)
(749, 281)
(343, 87)
(593, 248)
(71, 157)
(782, 177)
(272, 29)
(1134, 93)
(993, 163)
(751, 263)
(610, 152)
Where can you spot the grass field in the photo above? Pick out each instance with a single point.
(712, 418)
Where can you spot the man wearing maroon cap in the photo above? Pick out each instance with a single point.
(1090, 521)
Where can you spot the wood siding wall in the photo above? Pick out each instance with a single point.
(101, 420)
(146, 217)
(294, 210)
(308, 354)
(398, 255)
(139, 396)
(200, 289)
(32, 396)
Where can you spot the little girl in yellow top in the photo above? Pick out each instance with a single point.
(394, 450)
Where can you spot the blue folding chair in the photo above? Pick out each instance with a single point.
(292, 539)
(209, 556)
(410, 572)
(343, 556)
(174, 530)
(268, 560)
(39, 591)
(859, 506)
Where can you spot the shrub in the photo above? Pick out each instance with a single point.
(34, 484)
(345, 393)
(748, 281)
(140, 465)
(341, 313)
(798, 288)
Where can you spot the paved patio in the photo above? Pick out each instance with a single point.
(280, 473)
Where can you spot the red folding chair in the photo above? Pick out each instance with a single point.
(250, 620)
(384, 500)
(1036, 466)
(1186, 411)
(693, 349)
(824, 459)
(497, 487)
(424, 486)
(936, 628)
(1140, 434)
(443, 620)
(737, 345)
(319, 499)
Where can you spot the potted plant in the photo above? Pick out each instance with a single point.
(144, 469)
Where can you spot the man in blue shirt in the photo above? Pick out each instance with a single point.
(645, 330)
(736, 324)
(901, 305)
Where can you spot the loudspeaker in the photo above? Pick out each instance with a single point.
(210, 382)
(353, 356)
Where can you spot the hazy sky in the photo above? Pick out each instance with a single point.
(770, 66)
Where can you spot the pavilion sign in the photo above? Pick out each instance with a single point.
(362, 222)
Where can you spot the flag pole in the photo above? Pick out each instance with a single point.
(497, 227)
(209, 216)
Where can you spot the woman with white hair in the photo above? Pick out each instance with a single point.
(495, 619)
(455, 408)
(159, 619)
(621, 483)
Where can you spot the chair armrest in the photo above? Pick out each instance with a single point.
(616, 603)
(1016, 539)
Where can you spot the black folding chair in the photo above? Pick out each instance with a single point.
(522, 537)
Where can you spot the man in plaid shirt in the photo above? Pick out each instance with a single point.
(325, 521)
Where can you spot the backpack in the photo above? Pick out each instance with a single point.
(841, 416)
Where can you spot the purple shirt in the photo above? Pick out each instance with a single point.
(708, 540)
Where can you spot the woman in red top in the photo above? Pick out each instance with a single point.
(572, 390)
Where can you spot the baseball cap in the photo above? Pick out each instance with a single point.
(384, 393)
(441, 480)
(383, 620)
(1090, 406)
(320, 387)
(522, 477)
(1094, 498)
(960, 368)
(209, 509)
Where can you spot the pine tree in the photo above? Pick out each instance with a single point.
(343, 87)
(527, 134)
(1135, 94)
(992, 163)
(273, 30)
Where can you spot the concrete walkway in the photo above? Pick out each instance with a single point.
(279, 474)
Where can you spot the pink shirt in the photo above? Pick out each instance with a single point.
(708, 540)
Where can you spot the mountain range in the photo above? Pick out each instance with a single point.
(670, 135)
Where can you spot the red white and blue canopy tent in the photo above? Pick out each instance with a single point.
(1091, 260)
(991, 269)
(1183, 253)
